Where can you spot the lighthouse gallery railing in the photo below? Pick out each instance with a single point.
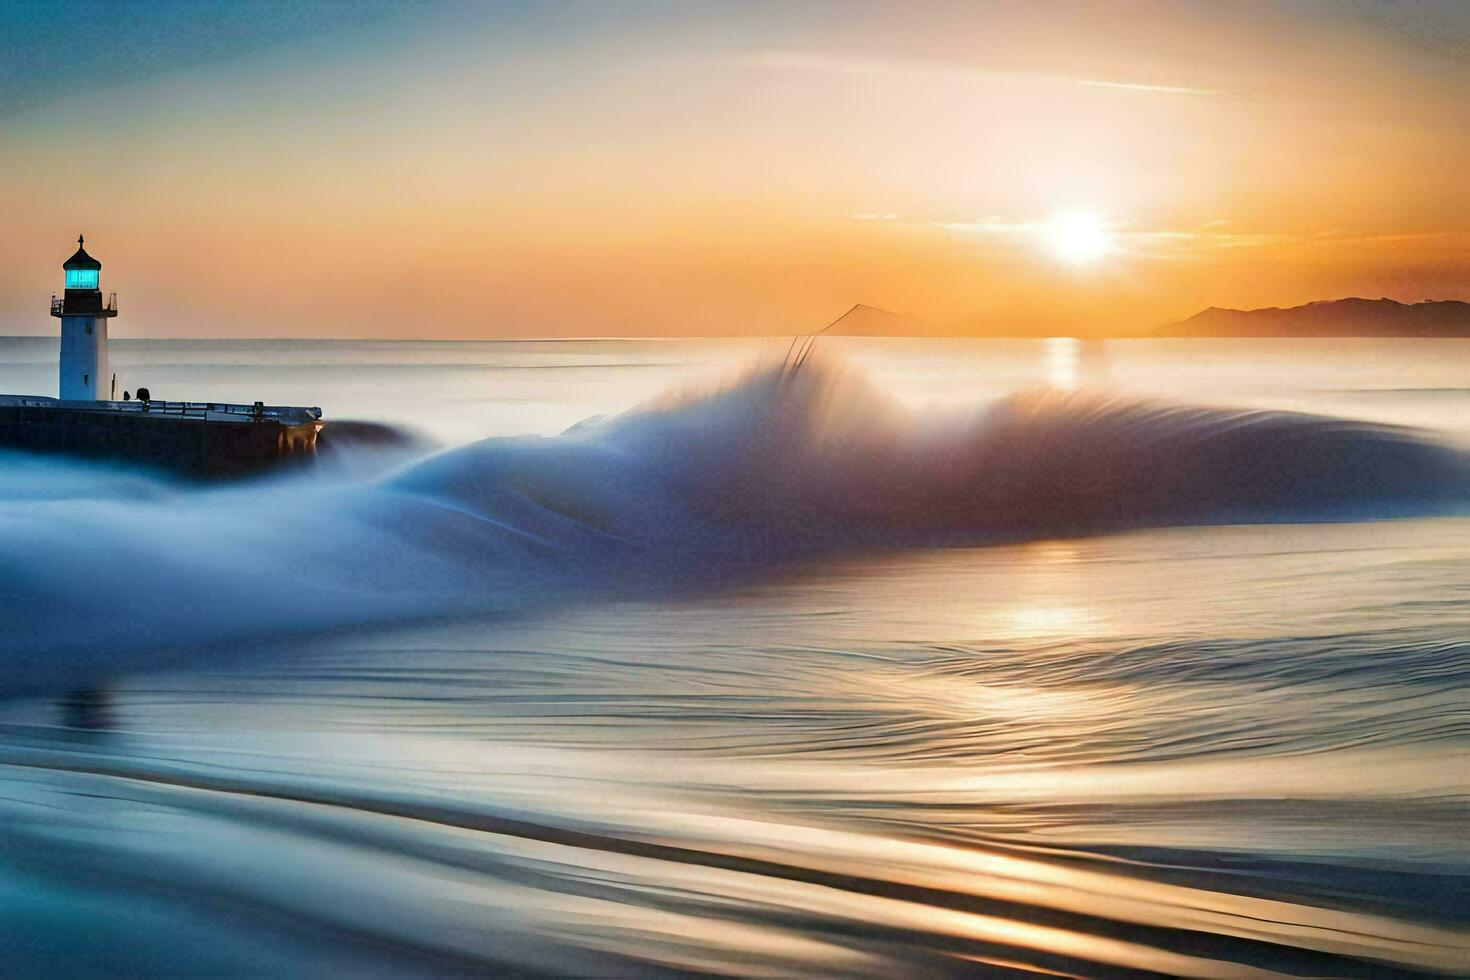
(58, 303)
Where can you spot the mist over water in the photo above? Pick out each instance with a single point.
(933, 656)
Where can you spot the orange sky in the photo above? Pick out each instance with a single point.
(647, 169)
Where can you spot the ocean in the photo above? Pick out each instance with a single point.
(663, 657)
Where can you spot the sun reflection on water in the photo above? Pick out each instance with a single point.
(1059, 362)
(1046, 620)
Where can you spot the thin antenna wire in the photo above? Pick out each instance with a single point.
(834, 323)
(786, 361)
(802, 345)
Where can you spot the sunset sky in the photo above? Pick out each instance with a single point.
(482, 170)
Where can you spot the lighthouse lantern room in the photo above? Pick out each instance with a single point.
(84, 317)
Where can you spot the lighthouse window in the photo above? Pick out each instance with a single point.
(81, 278)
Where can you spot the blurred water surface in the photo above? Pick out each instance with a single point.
(1220, 750)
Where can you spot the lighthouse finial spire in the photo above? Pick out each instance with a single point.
(80, 239)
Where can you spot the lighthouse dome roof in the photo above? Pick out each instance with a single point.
(81, 260)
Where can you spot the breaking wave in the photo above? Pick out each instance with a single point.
(116, 569)
(786, 458)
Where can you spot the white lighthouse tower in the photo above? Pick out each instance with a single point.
(84, 318)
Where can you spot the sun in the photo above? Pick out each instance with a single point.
(1078, 237)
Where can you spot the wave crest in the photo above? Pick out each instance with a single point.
(819, 455)
(778, 465)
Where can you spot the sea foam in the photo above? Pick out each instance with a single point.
(105, 570)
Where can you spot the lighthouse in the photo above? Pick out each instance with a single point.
(84, 318)
(207, 440)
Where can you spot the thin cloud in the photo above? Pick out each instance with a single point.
(1165, 244)
(991, 224)
(1142, 87)
(1145, 243)
(813, 61)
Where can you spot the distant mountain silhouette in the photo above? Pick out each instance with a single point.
(1331, 318)
(872, 321)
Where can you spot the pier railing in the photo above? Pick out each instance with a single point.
(202, 410)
